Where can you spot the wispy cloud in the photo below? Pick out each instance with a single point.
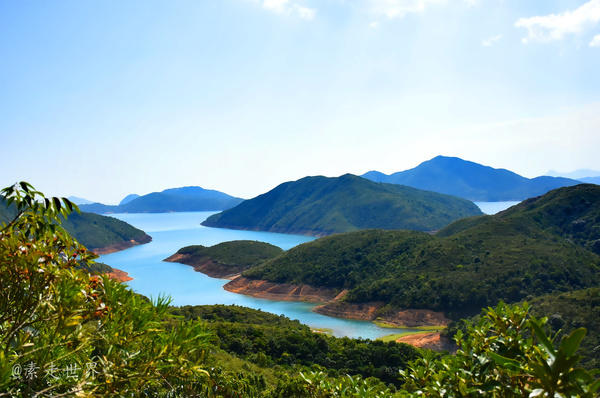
(490, 41)
(557, 26)
(400, 8)
(289, 7)
(595, 41)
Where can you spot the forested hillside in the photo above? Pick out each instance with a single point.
(322, 206)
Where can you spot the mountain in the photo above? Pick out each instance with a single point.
(129, 198)
(79, 201)
(98, 233)
(591, 180)
(170, 200)
(322, 206)
(469, 180)
(541, 246)
(576, 175)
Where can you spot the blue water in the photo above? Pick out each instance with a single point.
(171, 231)
(495, 207)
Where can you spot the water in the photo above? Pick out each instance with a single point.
(172, 231)
(495, 207)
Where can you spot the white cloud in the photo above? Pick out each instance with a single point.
(595, 41)
(490, 41)
(288, 7)
(556, 26)
(400, 8)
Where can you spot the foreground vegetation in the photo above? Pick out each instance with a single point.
(64, 332)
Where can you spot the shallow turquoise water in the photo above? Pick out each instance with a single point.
(172, 231)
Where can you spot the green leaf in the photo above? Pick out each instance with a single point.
(547, 344)
(505, 362)
(571, 343)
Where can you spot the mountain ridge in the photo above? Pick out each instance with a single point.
(190, 198)
(321, 206)
(470, 180)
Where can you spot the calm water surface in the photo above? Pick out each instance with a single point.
(172, 231)
(495, 207)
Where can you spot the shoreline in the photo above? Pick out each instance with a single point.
(330, 303)
(118, 274)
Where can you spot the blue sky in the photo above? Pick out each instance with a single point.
(100, 99)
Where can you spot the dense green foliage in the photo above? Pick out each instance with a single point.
(469, 265)
(573, 214)
(91, 230)
(569, 311)
(469, 180)
(321, 206)
(505, 354)
(235, 255)
(174, 199)
(268, 340)
(66, 333)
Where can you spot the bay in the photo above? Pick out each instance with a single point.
(153, 277)
(495, 207)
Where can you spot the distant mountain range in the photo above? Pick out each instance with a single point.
(169, 200)
(129, 198)
(469, 180)
(79, 201)
(591, 180)
(320, 206)
(576, 174)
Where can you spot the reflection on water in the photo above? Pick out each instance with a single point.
(172, 231)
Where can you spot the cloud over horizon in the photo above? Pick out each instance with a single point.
(545, 28)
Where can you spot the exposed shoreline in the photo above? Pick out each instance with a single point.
(116, 247)
(332, 304)
(117, 274)
(208, 267)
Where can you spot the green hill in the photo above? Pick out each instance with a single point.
(322, 206)
(93, 230)
(469, 265)
(225, 258)
(470, 180)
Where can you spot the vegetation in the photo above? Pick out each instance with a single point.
(234, 256)
(174, 199)
(469, 265)
(572, 310)
(469, 180)
(64, 332)
(268, 340)
(91, 230)
(321, 206)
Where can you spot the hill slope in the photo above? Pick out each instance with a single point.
(469, 180)
(227, 258)
(470, 264)
(321, 206)
(98, 233)
(169, 200)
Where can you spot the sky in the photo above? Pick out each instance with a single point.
(100, 99)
